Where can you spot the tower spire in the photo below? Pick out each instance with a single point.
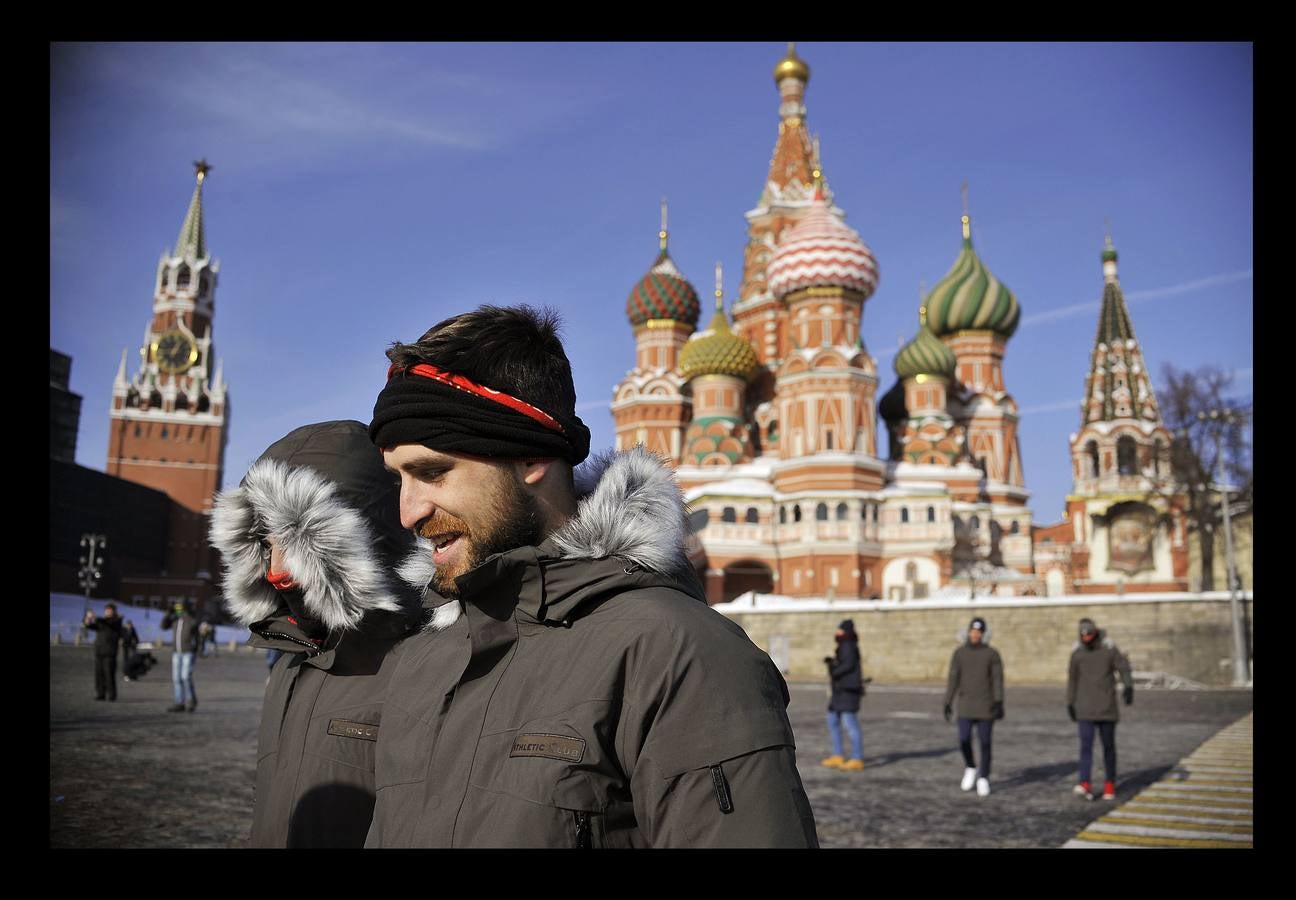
(192, 242)
(719, 290)
(967, 219)
(661, 235)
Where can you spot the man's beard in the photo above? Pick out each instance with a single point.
(511, 519)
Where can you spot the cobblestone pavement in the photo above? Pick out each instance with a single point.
(131, 774)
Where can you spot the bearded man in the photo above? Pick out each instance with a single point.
(573, 689)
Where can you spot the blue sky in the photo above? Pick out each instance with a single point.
(362, 192)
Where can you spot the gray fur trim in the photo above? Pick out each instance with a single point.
(635, 513)
(327, 546)
(417, 570)
(234, 532)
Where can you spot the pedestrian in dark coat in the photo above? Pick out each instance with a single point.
(311, 540)
(184, 648)
(1091, 701)
(107, 636)
(129, 641)
(976, 678)
(847, 689)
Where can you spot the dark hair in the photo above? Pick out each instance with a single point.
(515, 349)
(110, 605)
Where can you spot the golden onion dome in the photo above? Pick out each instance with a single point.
(791, 66)
(718, 351)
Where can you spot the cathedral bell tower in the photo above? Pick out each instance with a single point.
(168, 419)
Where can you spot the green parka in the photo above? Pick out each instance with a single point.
(976, 677)
(588, 697)
(1091, 679)
(323, 494)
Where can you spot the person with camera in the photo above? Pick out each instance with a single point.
(976, 678)
(108, 632)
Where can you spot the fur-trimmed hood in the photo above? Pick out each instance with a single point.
(630, 510)
(324, 496)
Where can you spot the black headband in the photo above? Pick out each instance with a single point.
(443, 411)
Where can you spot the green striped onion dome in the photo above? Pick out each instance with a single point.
(969, 297)
(718, 351)
(663, 294)
(926, 354)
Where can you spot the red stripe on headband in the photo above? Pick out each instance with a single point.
(458, 381)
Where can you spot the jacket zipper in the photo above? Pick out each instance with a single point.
(315, 651)
(582, 830)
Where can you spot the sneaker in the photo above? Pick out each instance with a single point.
(178, 707)
(834, 762)
(1084, 790)
(969, 779)
(983, 787)
(852, 765)
(1109, 791)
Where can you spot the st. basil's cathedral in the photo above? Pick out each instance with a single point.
(771, 420)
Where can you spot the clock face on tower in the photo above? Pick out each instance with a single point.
(174, 351)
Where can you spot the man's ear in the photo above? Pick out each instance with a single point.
(535, 470)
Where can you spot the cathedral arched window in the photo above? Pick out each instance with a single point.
(1156, 457)
(155, 399)
(132, 398)
(182, 276)
(821, 512)
(931, 514)
(796, 513)
(841, 512)
(974, 523)
(904, 514)
(782, 515)
(1126, 455)
(752, 517)
(729, 514)
(1091, 449)
(911, 571)
(204, 282)
(1014, 528)
(875, 513)
(164, 432)
(828, 439)
(203, 403)
(182, 402)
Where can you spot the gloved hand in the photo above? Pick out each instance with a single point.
(1129, 694)
(1071, 711)
(948, 712)
(828, 660)
(998, 709)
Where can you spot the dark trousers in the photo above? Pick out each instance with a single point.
(106, 676)
(984, 729)
(1106, 731)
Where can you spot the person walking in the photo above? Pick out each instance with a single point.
(107, 636)
(847, 689)
(129, 643)
(1091, 702)
(184, 648)
(976, 679)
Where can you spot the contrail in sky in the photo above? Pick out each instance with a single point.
(1075, 309)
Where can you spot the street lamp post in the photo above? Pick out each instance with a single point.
(92, 546)
(1241, 668)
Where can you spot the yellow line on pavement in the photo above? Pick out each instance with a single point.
(1138, 806)
(1142, 840)
(1241, 802)
(1174, 825)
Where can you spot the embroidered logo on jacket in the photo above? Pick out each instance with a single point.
(343, 728)
(551, 746)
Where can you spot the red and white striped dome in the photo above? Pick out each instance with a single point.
(822, 251)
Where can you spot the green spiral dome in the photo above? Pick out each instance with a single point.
(969, 297)
(926, 354)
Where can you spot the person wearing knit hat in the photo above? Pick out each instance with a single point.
(586, 696)
(976, 679)
(1091, 701)
(844, 698)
